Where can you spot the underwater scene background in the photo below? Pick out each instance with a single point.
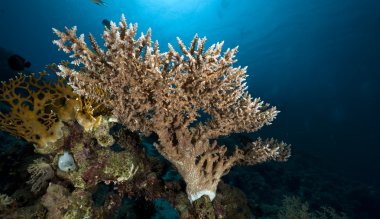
(318, 62)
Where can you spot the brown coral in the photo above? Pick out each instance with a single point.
(165, 93)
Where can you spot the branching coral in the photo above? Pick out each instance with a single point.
(166, 93)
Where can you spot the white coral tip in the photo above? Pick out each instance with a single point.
(197, 195)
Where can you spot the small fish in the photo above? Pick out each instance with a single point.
(106, 23)
(18, 63)
(99, 2)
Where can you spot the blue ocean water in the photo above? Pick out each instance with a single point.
(317, 61)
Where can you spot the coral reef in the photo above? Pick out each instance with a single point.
(166, 94)
(229, 202)
(60, 203)
(115, 131)
(78, 158)
(263, 185)
(293, 207)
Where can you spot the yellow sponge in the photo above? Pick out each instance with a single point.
(35, 109)
(27, 104)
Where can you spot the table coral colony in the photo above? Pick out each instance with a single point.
(165, 93)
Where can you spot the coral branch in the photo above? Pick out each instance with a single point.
(261, 151)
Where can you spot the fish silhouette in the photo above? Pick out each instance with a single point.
(18, 63)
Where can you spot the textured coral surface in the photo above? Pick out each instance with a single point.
(165, 93)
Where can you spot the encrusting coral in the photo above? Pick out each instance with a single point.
(166, 93)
